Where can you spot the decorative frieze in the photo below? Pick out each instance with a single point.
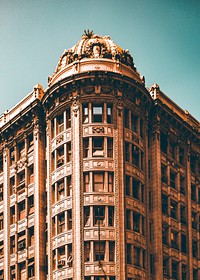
(92, 234)
(62, 239)
(61, 172)
(101, 198)
(62, 205)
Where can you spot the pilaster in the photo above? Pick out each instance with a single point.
(157, 198)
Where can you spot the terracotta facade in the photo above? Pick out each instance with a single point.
(99, 175)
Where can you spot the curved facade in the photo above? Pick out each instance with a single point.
(101, 175)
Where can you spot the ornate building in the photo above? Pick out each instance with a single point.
(99, 175)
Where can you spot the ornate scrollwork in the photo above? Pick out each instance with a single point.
(98, 129)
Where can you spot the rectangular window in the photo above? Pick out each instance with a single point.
(127, 153)
(137, 256)
(98, 182)
(136, 222)
(12, 157)
(134, 123)
(164, 204)
(127, 184)
(97, 112)
(99, 215)
(136, 188)
(85, 113)
(128, 219)
(98, 147)
(87, 216)
(173, 209)
(163, 143)
(99, 251)
(110, 147)
(129, 253)
(60, 123)
(21, 207)
(68, 118)
(87, 251)
(61, 223)
(110, 182)
(110, 216)
(183, 243)
(86, 181)
(111, 251)
(60, 156)
(126, 118)
(85, 147)
(69, 219)
(69, 152)
(135, 156)
(172, 179)
(109, 113)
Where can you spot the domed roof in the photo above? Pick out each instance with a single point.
(94, 46)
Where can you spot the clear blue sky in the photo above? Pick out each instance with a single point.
(162, 36)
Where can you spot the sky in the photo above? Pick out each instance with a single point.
(162, 36)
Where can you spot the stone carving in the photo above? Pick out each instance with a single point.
(98, 129)
(93, 46)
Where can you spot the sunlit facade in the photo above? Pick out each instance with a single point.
(99, 175)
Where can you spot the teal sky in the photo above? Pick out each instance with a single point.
(162, 36)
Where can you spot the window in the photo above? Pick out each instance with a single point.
(98, 182)
(60, 123)
(172, 179)
(97, 112)
(165, 234)
(86, 181)
(126, 118)
(136, 222)
(31, 204)
(174, 239)
(129, 253)
(174, 270)
(12, 156)
(195, 248)
(98, 147)
(61, 222)
(21, 149)
(99, 215)
(12, 214)
(183, 243)
(183, 214)
(109, 147)
(136, 188)
(30, 143)
(31, 268)
(69, 219)
(172, 149)
(163, 142)
(1, 192)
(127, 152)
(69, 186)
(87, 251)
(137, 256)
(61, 189)
(1, 163)
(184, 272)
(194, 220)
(1, 249)
(128, 219)
(85, 113)
(69, 152)
(99, 251)
(60, 156)
(110, 216)
(21, 207)
(173, 209)
(110, 182)
(136, 156)
(111, 251)
(85, 147)
(127, 184)
(86, 216)
(165, 266)
(182, 184)
(193, 192)
(164, 174)
(68, 118)
(134, 123)
(109, 113)
(164, 204)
